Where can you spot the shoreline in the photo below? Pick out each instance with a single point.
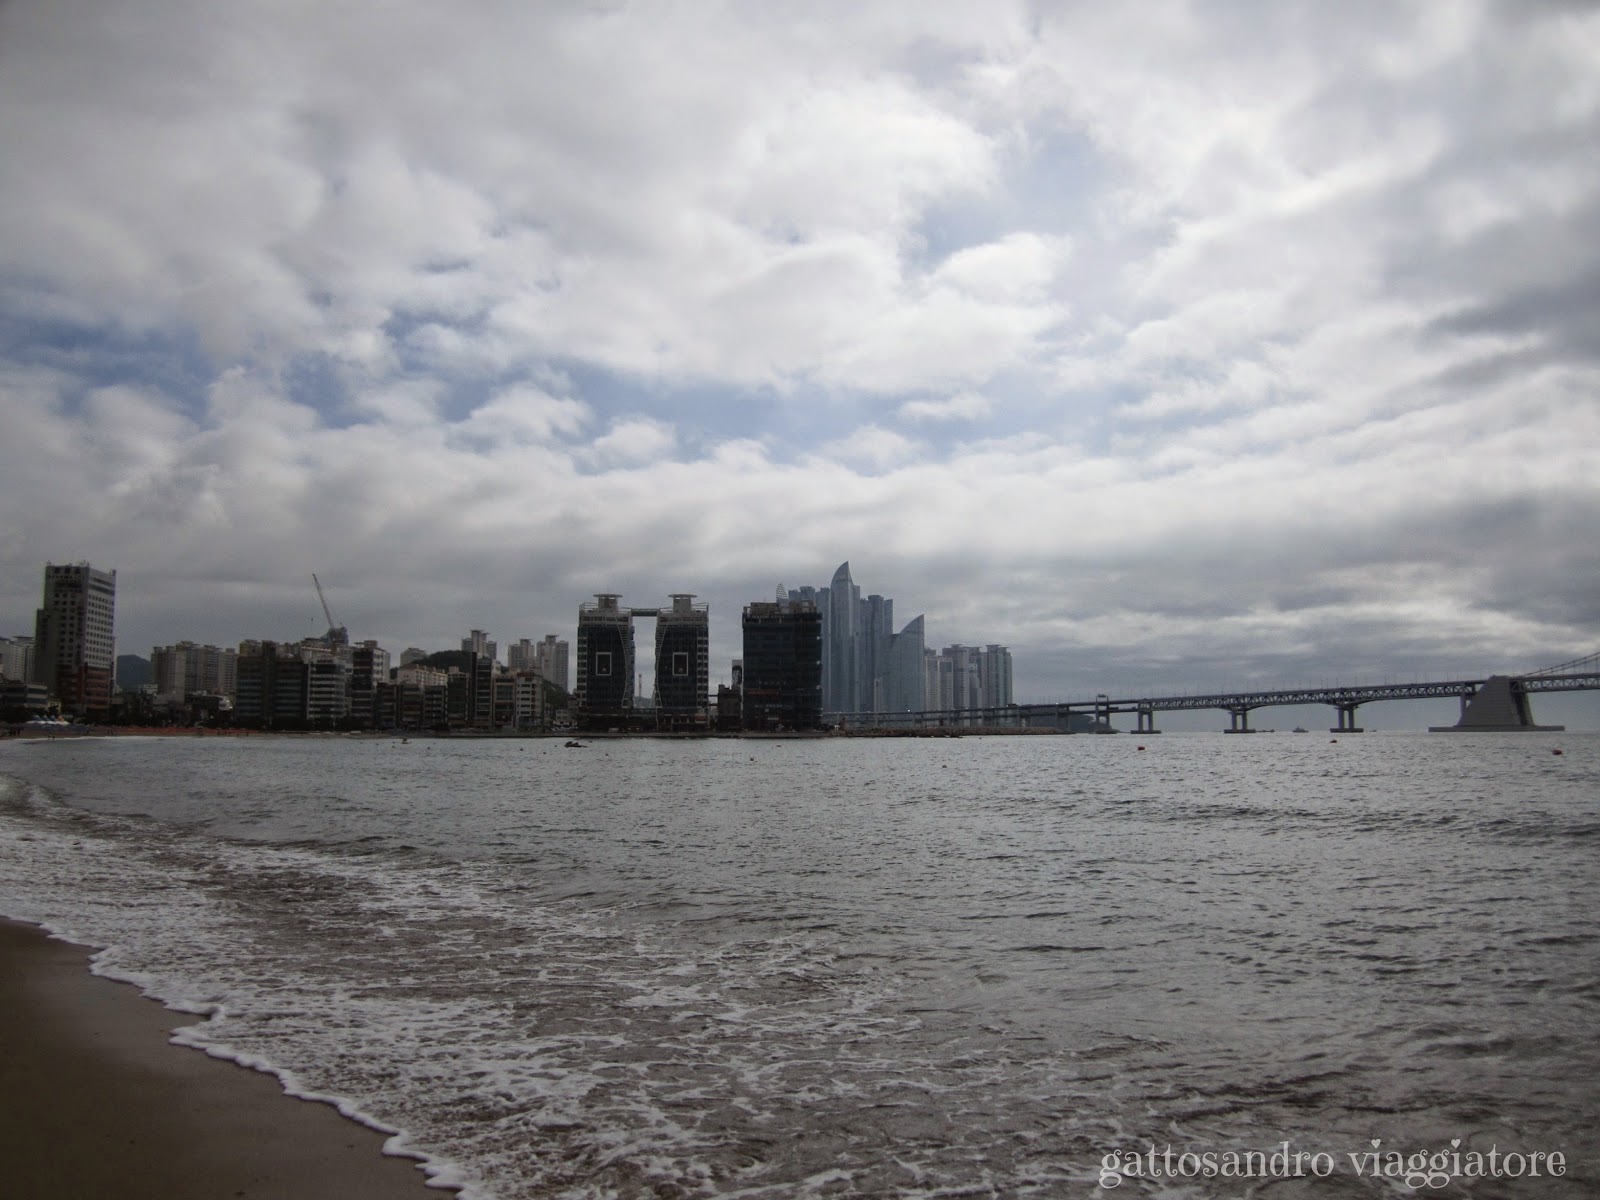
(96, 1102)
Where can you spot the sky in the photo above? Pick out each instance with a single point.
(1178, 346)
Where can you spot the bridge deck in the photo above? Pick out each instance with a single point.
(1345, 698)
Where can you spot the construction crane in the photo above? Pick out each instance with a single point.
(337, 634)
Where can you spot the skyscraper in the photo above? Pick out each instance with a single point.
(994, 676)
(903, 687)
(865, 664)
(522, 655)
(868, 668)
(782, 675)
(16, 659)
(185, 668)
(683, 652)
(550, 660)
(605, 662)
(841, 683)
(874, 632)
(369, 668)
(478, 643)
(74, 637)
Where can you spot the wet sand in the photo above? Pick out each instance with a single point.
(96, 1105)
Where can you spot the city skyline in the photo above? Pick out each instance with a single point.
(479, 640)
(1173, 347)
(551, 655)
(334, 679)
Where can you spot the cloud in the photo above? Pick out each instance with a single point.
(525, 414)
(871, 448)
(1226, 336)
(1018, 268)
(966, 406)
(635, 440)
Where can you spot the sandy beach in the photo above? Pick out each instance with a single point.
(96, 1105)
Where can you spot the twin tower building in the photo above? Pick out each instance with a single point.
(606, 662)
(777, 685)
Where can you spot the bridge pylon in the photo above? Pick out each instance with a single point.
(1499, 706)
(1347, 718)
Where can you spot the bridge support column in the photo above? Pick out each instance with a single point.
(1347, 719)
(1241, 721)
(1500, 705)
(1147, 721)
(1102, 715)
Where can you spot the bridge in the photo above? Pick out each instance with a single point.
(1495, 703)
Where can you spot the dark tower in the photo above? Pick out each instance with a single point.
(782, 666)
(683, 669)
(605, 663)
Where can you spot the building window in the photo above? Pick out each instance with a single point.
(680, 663)
(602, 662)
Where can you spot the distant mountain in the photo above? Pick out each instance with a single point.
(132, 671)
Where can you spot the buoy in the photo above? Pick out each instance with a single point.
(1557, 750)
(1333, 741)
(1141, 747)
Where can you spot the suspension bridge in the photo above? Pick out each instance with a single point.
(1495, 703)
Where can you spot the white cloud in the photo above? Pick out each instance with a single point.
(966, 406)
(1243, 318)
(871, 448)
(525, 414)
(631, 442)
(1019, 268)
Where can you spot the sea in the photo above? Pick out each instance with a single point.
(1177, 965)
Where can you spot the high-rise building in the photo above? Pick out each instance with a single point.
(841, 677)
(469, 685)
(551, 661)
(299, 685)
(968, 679)
(272, 688)
(683, 666)
(782, 666)
(528, 705)
(184, 669)
(74, 637)
(958, 678)
(860, 668)
(369, 668)
(16, 658)
(903, 688)
(548, 657)
(478, 643)
(605, 662)
(875, 629)
(522, 655)
(994, 676)
(327, 692)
